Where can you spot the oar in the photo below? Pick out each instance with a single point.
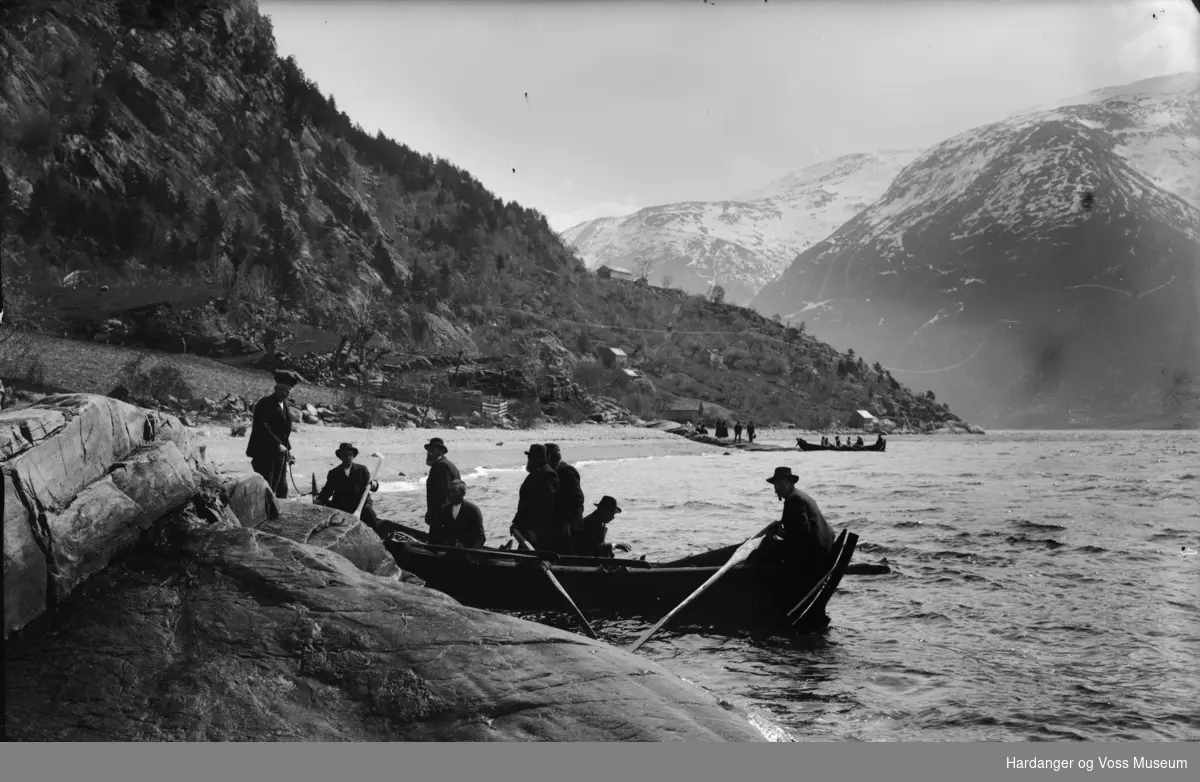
(545, 566)
(367, 491)
(739, 556)
(314, 488)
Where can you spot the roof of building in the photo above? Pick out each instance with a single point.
(615, 351)
(864, 413)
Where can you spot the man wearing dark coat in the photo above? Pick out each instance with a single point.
(459, 522)
(802, 536)
(346, 483)
(270, 443)
(442, 473)
(535, 503)
(568, 502)
(591, 540)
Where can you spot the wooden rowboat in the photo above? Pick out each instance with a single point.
(806, 446)
(755, 594)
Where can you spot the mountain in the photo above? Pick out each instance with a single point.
(743, 243)
(167, 181)
(1039, 271)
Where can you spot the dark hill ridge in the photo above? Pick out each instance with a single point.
(154, 147)
(1031, 267)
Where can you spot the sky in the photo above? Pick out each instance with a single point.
(584, 109)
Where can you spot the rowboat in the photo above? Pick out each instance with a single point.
(807, 446)
(756, 593)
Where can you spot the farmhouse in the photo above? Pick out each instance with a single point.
(861, 419)
(612, 357)
(607, 272)
(683, 411)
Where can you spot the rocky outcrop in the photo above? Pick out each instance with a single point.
(83, 477)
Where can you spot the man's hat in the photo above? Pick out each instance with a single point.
(436, 442)
(608, 502)
(552, 448)
(288, 378)
(537, 451)
(344, 448)
(783, 474)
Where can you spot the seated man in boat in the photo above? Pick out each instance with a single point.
(346, 484)
(535, 502)
(880, 443)
(590, 541)
(802, 537)
(459, 522)
(837, 441)
(858, 443)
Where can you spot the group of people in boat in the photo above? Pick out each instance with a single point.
(879, 443)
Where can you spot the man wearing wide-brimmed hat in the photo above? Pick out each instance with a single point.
(270, 443)
(590, 542)
(442, 473)
(806, 538)
(535, 503)
(346, 484)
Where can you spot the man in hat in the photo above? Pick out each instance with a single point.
(568, 502)
(459, 522)
(442, 473)
(590, 542)
(270, 443)
(346, 484)
(535, 503)
(802, 536)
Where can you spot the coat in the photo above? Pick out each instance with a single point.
(568, 500)
(271, 427)
(807, 537)
(466, 530)
(437, 487)
(590, 542)
(343, 492)
(535, 503)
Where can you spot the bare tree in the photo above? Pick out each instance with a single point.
(533, 364)
(643, 266)
(717, 294)
(363, 316)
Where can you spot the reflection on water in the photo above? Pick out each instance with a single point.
(1042, 586)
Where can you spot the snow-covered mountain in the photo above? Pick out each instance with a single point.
(1041, 270)
(743, 243)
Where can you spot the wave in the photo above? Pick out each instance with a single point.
(1026, 524)
(616, 460)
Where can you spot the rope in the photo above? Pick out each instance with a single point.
(294, 486)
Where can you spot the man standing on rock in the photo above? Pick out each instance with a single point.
(346, 484)
(535, 503)
(802, 536)
(568, 502)
(442, 473)
(270, 443)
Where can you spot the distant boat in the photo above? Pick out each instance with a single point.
(807, 446)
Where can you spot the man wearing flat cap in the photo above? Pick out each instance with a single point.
(442, 473)
(346, 484)
(802, 536)
(535, 503)
(568, 502)
(270, 443)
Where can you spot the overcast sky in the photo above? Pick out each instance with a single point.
(632, 104)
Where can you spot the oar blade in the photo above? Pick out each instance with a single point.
(367, 491)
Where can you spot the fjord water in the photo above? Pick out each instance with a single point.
(1045, 585)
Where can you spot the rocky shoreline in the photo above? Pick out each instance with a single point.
(149, 597)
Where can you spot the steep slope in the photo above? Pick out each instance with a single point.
(1032, 271)
(743, 243)
(160, 163)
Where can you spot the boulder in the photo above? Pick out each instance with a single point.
(84, 475)
(250, 498)
(334, 530)
(239, 635)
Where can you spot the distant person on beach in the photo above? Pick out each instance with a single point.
(750, 431)
(458, 522)
(442, 473)
(270, 446)
(722, 429)
(737, 431)
(534, 519)
(346, 484)
(802, 536)
(590, 542)
(568, 502)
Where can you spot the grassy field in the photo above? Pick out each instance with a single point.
(95, 368)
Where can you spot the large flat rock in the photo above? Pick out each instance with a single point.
(334, 530)
(239, 635)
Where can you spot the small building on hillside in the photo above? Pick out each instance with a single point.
(683, 411)
(715, 359)
(607, 272)
(633, 373)
(861, 419)
(613, 358)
